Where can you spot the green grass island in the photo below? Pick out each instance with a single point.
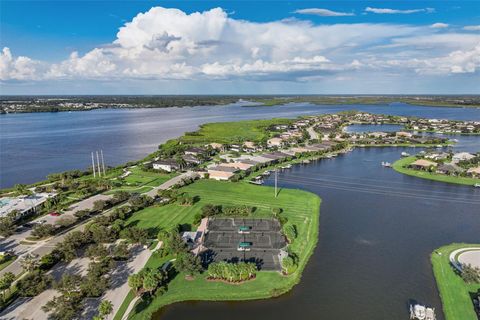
(456, 292)
(404, 166)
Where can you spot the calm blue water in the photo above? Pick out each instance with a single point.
(36, 144)
(377, 231)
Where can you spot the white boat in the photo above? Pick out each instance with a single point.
(266, 173)
(386, 164)
(288, 166)
(477, 185)
(405, 154)
(420, 312)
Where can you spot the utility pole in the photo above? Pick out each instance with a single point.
(103, 163)
(98, 165)
(276, 178)
(93, 166)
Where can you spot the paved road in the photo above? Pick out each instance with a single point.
(44, 247)
(170, 183)
(312, 133)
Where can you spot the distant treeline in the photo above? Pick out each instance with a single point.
(13, 104)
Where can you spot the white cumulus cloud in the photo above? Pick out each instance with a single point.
(169, 44)
(439, 25)
(323, 12)
(397, 11)
(472, 28)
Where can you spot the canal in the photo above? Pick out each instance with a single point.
(377, 231)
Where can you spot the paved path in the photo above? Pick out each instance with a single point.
(470, 255)
(120, 278)
(170, 183)
(44, 247)
(313, 134)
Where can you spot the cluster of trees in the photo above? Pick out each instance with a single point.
(74, 288)
(148, 281)
(6, 282)
(290, 262)
(231, 272)
(470, 274)
(211, 210)
(7, 226)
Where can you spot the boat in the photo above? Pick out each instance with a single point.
(420, 312)
(405, 154)
(477, 185)
(386, 164)
(266, 173)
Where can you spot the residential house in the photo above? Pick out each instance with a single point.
(221, 172)
(462, 156)
(168, 165)
(275, 142)
(474, 172)
(449, 168)
(194, 151)
(191, 160)
(423, 164)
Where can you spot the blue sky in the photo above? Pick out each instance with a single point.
(63, 47)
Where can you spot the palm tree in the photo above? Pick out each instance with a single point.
(30, 262)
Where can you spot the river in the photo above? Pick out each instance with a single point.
(33, 145)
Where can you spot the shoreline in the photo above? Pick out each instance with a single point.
(453, 291)
(398, 166)
(256, 104)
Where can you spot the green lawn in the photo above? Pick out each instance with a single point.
(399, 166)
(142, 181)
(454, 292)
(301, 208)
(5, 261)
(232, 132)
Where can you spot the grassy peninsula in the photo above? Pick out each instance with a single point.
(454, 291)
(300, 207)
(402, 167)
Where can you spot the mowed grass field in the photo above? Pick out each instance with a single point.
(454, 292)
(143, 181)
(400, 164)
(232, 132)
(300, 207)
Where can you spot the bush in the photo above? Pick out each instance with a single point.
(232, 272)
(43, 230)
(290, 231)
(33, 283)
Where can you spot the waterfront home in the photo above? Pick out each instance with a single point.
(235, 148)
(216, 146)
(168, 165)
(275, 142)
(462, 156)
(191, 160)
(221, 172)
(403, 134)
(194, 151)
(250, 146)
(238, 165)
(437, 156)
(474, 172)
(449, 168)
(422, 164)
